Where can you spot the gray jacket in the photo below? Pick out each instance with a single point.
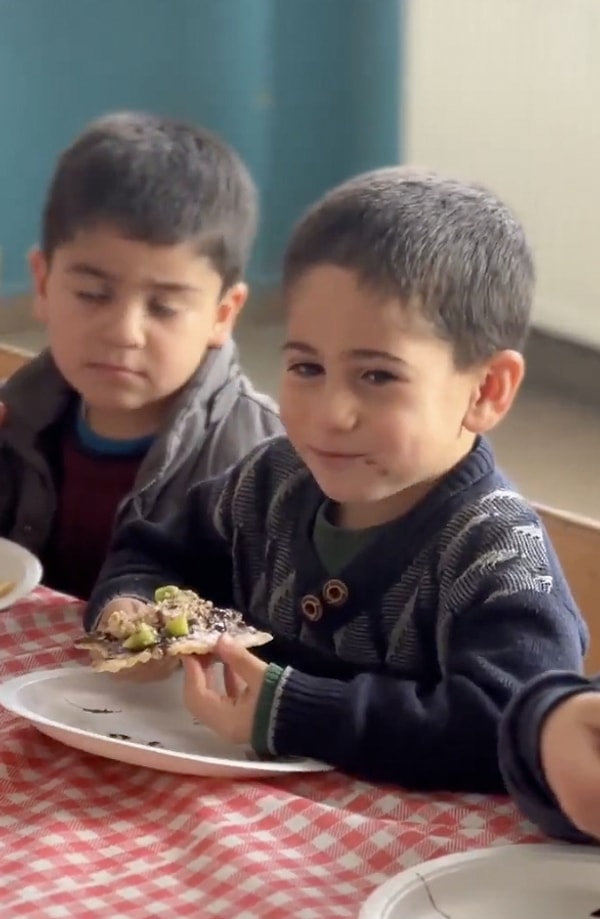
(215, 420)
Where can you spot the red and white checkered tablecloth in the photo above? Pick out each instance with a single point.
(82, 837)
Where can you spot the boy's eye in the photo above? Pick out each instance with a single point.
(161, 310)
(305, 369)
(379, 377)
(93, 296)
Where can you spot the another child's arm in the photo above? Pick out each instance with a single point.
(549, 751)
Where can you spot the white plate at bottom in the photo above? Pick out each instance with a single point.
(144, 725)
(506, 882)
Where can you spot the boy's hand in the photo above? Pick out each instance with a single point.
(570, 754)
(150, 672)
(231, 715)
(124, 604)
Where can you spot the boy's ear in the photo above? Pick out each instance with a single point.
(38, 266)
(496, 386)
(230, 306)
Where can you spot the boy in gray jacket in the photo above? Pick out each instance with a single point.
(146, 233)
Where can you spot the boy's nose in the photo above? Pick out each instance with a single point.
(124, 327)
(338, 410)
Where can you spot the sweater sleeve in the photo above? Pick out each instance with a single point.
(190, 549)
(504, 616)
(519, 749)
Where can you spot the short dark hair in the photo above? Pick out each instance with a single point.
(160, 181)
(450, 249)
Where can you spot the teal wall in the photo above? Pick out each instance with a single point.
(307, 90)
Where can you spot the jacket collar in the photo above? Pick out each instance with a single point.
(37, 396)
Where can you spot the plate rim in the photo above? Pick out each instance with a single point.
(33, 573)
(8, 699)
(386, 894)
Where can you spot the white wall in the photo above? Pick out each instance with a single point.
(508, 92)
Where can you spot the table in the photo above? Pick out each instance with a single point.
(83, 837)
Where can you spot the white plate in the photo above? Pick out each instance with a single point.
(145, 725)
(506, 882)
(20, 566)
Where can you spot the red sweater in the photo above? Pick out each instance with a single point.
(91, 487)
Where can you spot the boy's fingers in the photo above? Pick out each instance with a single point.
(212, 675)
(234, 686)
(194, 676)
(236, 658)
(120, 604)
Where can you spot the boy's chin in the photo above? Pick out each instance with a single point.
(351, 493)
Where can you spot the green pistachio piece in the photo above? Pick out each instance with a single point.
(177, 626)
(165, 593)
(144, 637)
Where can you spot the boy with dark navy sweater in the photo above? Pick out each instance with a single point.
(410, 590)
(146, 232)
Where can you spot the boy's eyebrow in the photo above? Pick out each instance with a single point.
(298, 346)
(173, 287)
(167, 286)
(374, 353)
(91, 271)
(361, 353)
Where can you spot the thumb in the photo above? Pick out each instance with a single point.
(239, 659)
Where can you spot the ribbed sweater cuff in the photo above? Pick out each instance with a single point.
(307, 718)
(261, 728)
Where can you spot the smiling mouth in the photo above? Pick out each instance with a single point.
(335, 455)
(114, 368)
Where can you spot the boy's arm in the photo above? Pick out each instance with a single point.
(190, 549)
(8, 491)
(502, 621)
(519, 750)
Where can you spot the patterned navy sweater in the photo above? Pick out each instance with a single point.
(440, 620)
